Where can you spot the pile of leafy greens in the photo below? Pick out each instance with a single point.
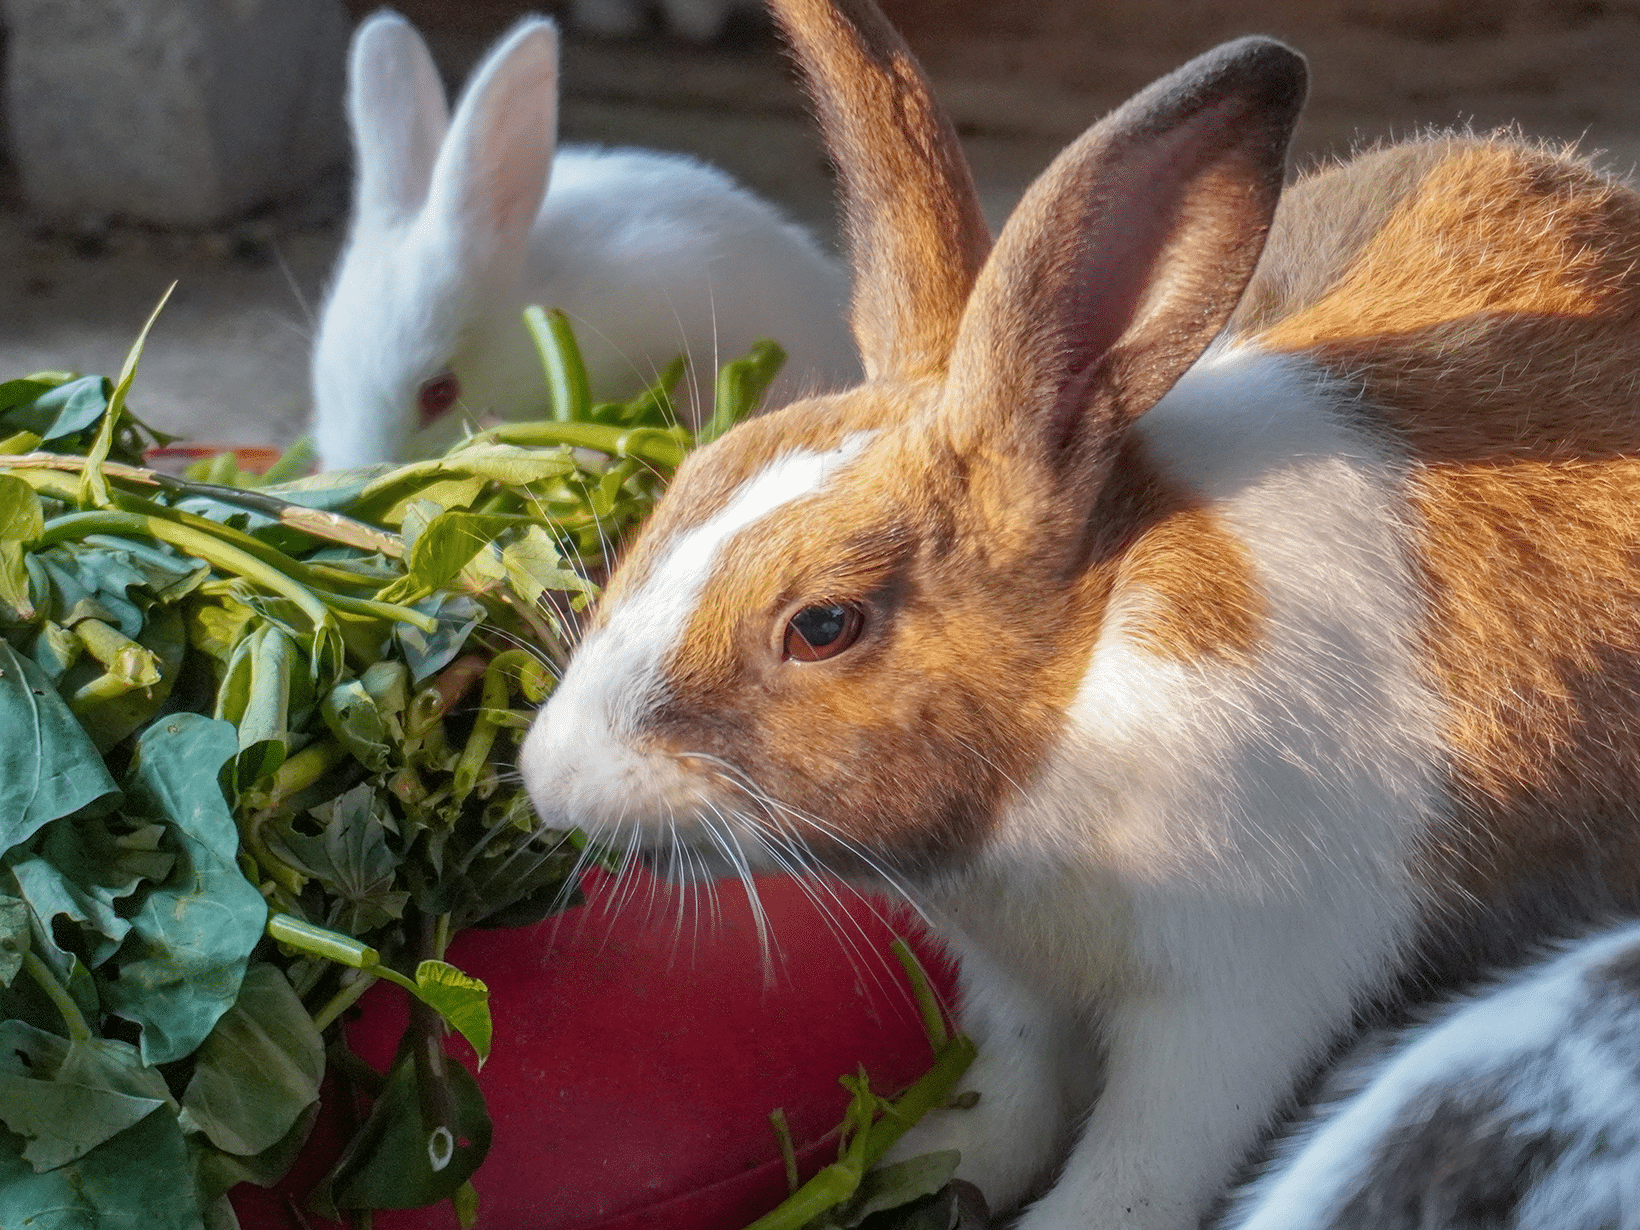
(255, 738)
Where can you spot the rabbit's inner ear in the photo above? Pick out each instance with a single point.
(398, 113)
(1124, 260)
(492, 173)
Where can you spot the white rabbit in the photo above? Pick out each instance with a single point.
(1519, 1106)
(649, 254)
(699, 21)
(1208, 665)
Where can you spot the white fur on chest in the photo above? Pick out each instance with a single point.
(1200, 821)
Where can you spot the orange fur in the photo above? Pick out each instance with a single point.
(1492, 321)
(1202, 599)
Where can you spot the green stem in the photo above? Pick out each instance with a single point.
(788, 1154)
(78, 1030)
(932, 1018)
(837, 1182)
(333, 527)
(662, 447)
(477, 751)
(933, 1088)
(342, 1000)
(318, 941)
(567, 394)
(371, 608)
(198, 543)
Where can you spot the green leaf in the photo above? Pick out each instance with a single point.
(82, 869)
(93, 486)
(460, 999)
(107, 1063)
(16, 393)
(48, 767)
(63, 1121)
(14, 929)
(897, 1184)
(193, 935)
(218, 1171)
(508, 464)
(353, 717)
(217, 627)
(442, 549)
(137, 1180)
(258, 1070)
(427, 654)
(55, 412)
(21, 522)
(352, 859)
(399, 1162)
(534, 565)
(255, 696)
(66, 1099)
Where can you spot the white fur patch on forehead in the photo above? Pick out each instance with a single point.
(789, 477)
(580, 753)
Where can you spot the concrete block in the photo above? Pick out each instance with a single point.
(181, 112)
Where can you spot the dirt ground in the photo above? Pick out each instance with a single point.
(228, 360)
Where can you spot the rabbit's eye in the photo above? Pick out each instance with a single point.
(819, 632)
(437, 395)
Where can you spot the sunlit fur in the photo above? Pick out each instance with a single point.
(453, 233)
(1225, 671)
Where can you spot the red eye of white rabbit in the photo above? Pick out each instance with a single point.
(819, 632)
(437, 395)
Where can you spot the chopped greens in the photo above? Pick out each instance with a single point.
(256, 730)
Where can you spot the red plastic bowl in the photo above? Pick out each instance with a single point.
(639, 1050)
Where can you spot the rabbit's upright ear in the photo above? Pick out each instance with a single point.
(492, 173)
(395, 103)
(916, 234)
(1124, 260)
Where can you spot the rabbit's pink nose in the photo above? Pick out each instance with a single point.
(437, 395)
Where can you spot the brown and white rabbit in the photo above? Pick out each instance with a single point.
(1210, 654)
(1519, 1105)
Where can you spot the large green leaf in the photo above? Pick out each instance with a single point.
(67, 1098)
(62, 1121)
(193, 936)
(138, 1180)
(398, 1161)
(259, 1069)
(82, 868)
(48, 767)
(218, 1171)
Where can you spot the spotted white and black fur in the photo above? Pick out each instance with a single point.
(1517, 1106)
